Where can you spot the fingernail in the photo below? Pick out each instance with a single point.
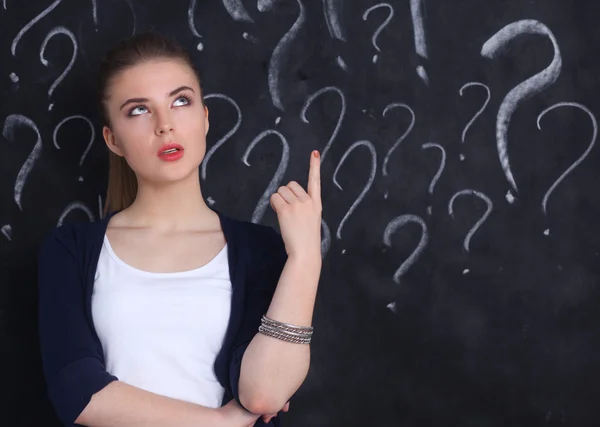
(316, 154)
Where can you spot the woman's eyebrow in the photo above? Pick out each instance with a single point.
(139, 100)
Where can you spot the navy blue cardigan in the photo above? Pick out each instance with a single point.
(72, 354)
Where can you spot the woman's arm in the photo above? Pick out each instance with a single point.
(122, 405)
(272, 370)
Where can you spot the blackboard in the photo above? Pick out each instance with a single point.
(461, 244)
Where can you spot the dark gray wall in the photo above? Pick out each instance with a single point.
(460, 187)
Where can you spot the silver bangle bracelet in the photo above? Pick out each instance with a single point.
(267, 320)
(283, 337)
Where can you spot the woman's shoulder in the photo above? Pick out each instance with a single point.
(71, 236)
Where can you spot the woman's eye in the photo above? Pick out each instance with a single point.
(138, 110)
(182, 100)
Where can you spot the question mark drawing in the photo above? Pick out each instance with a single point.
(27, 27)
(237, 11)
(341, 116)
(332, 10)
(580, 159)
(381, 27)
(192, 24)
(228, 135)
(259, 211)
(95, 13)
(524, 90)
(10, 124)
(404, 135)
(440, 168)
(391, 228)
(52, 33)
(368, 184)
(478, 113)
(90, 143)
(280, 52)
(473, 230)
(416, 10)
(75, 206)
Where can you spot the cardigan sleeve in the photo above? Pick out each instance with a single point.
(72, 358)
(260, 287)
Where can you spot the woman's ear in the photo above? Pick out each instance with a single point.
(111, 141)
(206, 121)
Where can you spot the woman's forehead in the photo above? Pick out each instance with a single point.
(154, 77)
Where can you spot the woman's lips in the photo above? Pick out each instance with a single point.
(170, 152)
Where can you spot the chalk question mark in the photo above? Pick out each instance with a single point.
(52, 33)
(381, 27)
(368, 184)
(75, 206)
(388, 108)
(27, 27)
(414, 256)
(228, 135)
(341, 116)
(10, 124)
(478, 113)
(332, 10)
(259, 211)
(580, 159)
(192, 24)
(416, 10)
(90, 143)
(437, 175)
(473, 230)
(524, 90)
(280, 52)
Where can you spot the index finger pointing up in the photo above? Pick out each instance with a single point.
(314, 177)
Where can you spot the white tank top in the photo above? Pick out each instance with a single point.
(161, 332)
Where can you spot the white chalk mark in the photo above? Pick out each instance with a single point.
(466, 271)
(440, 168)
(381, 27)
(332, 10)
(416, 10)
(421, 72)
(14, 78)
(478, 224)
(368, 184)
(100, 215)
(341, 115)
(414, 256)
(340, 61)
(326, 239)
(277, 120)
(524, 90)
(10, 124)
(7, 230)
(228, 135)
(404, 135)
(509, 197)
(266, 5)
(211, 201)
(200, 47)
(50, 107)
(582, 157)
(134, 16)
(13, 47)
(392, 307)
(429, 210)
(95, 13)
(92, 134)
(75, 206)
(276, 180)
(237, 11)
(52, 33)
(547, 231)
(480, 111)
(249, 37)
(276, 61)
(191, 23)
(462, 157)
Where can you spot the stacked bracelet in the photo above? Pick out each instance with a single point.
(285, 331)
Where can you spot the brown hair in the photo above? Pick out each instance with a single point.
(143, 47)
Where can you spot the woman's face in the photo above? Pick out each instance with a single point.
(153, 104)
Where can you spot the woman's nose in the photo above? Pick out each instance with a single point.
(163, 124)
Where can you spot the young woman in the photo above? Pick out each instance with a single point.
(166, 312)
